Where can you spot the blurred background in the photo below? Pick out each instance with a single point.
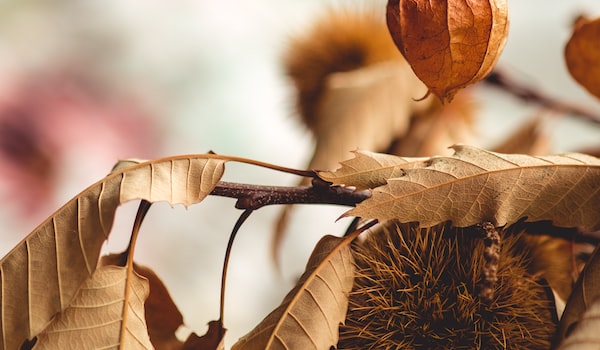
(85, 83)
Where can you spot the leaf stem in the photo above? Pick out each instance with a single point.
(234, 232)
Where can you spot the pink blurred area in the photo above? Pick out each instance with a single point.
(56, 125)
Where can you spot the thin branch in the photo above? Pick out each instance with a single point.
(527, 93)
(256, 196)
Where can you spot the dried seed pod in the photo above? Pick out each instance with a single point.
(582, 55)
(418, 288)
(449, 44)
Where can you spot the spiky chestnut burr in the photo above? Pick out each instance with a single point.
(419, 289)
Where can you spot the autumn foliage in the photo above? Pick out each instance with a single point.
(449, 249)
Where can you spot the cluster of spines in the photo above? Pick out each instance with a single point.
(419, 289)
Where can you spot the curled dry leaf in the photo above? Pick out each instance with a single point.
(449, 44)
(212, 340)
(45, 270)
(96, 317)
(475, 185)
(582, 312)
(584, 335)
(310, 315)
(365, 108)
(582, 54)
(353, 88)
(163, 318)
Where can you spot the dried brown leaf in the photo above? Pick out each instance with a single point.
(585, 335)
(582, 54)
(97, 317)
(432, 131)
(366, 108)
(41, 275)
(475, 185)
(369, 170)
(310, 315)
(212, 340)
(449, 44)
(163, 318)
(579, 322)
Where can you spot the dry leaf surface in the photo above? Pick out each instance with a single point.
(41, 275)
(163, 318)
(449, 44)
(365, 108)
(431, 132)
(213, 339)
(310, 315)
(582, 312)
(96, 317)
(582, 54)
(475, 185)
(369, 169)
(584, 335)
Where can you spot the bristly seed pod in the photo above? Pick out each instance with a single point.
(418, 288)
(449, 44)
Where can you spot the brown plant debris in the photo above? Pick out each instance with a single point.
(491, 255)
(582, 53)
(416, 288)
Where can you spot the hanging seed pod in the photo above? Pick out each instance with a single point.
(582, 54)
(449, 44)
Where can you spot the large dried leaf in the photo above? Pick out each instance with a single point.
(369, 170)
(97, 316)
(449, 43)
(365, 108)
(583, 307)
(163, 318)
(162, 315)
(475, 185)
(582, 54)
(310, 315)
(42, 274)
(585, 335)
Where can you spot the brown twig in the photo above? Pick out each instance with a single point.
(527, 93)
(320, 192)
(491, 255)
